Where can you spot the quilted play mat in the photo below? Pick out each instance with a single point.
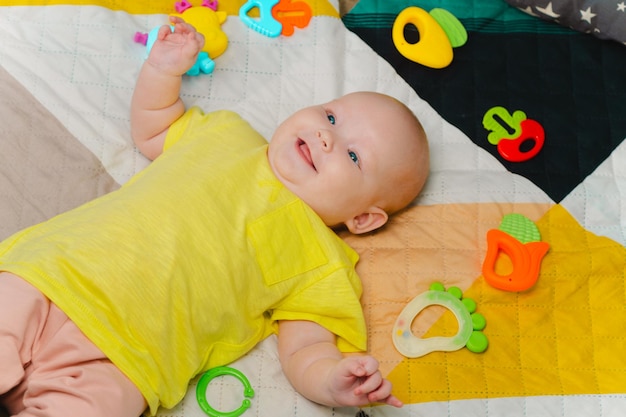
(510, 266)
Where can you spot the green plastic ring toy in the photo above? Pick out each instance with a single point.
(208, 376)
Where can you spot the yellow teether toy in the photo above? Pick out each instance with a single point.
(439, 32)
(433, 49)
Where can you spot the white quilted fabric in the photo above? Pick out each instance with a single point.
(81, 63)
(598, 203)
(274, 397)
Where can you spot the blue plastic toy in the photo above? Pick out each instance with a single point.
(277, 17)
(265, 24)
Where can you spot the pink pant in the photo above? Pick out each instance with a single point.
(48, 368)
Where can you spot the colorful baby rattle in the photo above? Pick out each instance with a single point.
(512, 132)
(207, 21)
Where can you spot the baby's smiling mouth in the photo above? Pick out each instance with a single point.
(305, 152)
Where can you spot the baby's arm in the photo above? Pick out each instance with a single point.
(318, 370)
(156, 103)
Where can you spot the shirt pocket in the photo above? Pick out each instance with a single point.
(285, 243)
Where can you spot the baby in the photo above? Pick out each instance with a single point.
(223, 240)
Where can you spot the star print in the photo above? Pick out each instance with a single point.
(621, 7)
(528, 10)
(587, 15)
(548, 11)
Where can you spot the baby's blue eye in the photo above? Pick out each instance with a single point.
(354, 157)
(331, 119)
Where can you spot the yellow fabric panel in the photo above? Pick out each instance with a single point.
(564, 336)
(418, 246)
(319, 7)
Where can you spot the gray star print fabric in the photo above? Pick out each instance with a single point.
(605, 19)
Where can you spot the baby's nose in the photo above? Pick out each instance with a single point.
(326, 139)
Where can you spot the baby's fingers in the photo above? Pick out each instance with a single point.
(389, 400)
(377, 389)
(176, 19)
(382, 394)
(182, 27)
(369, 382)
(164, 31)
(365, 366)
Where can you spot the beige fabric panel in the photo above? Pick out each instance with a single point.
(44, 169)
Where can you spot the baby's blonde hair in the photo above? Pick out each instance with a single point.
(409, 177)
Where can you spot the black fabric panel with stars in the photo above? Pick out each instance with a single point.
(605, 19)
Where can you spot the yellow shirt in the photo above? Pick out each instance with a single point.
(191, 263)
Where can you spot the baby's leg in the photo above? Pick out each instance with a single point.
(22, 318)
(54, 370)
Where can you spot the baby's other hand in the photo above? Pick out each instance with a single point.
(357, 381)
(174, 52)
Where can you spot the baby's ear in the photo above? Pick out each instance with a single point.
(372, 219)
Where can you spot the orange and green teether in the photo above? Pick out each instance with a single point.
(519, 238)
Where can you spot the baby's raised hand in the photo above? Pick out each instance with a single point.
(175, 51)
(357, 381)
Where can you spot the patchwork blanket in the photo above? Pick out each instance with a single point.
(67, 70)
(554, 349)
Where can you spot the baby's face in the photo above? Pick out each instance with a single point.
(335, 156)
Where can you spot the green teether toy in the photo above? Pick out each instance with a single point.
(470, 323)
